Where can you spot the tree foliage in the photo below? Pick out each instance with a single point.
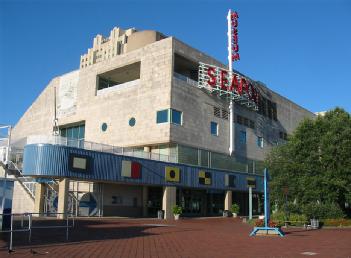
(315, 163)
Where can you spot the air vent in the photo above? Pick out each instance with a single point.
(217, 112)
(224, 114)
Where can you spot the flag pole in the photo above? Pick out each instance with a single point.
(230, 68)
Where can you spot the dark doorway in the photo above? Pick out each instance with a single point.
(197, 203)
(154, 202)
(193, 202)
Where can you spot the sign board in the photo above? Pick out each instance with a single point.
(79, 163)
(233, 25)
(251, 182)
(228, 84)
(67, 94)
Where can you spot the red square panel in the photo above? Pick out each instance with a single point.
(136, 170)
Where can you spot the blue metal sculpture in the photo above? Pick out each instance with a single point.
(266, 227)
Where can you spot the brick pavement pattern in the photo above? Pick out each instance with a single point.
(211, 237)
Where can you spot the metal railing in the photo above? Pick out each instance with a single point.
(74, 200)
(87, 145)
(27, 182)
(29, 227)
(185, 79)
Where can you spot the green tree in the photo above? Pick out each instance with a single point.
(315, 163)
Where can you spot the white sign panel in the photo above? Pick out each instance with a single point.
(67, 94)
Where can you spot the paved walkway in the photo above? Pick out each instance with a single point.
(212, 237)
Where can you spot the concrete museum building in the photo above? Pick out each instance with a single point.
(129, 133)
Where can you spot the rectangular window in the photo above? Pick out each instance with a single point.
(75, 135)
(252, 124)
(119, 76)
(239, 119)
(214, 128)
(274, 106)
(283, 135)
(260, 141)
(242, 137)
(176, 117)
(187, 68)
(162, 116)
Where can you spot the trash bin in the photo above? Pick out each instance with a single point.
(314, 223)
(160, 214)
(226, 213)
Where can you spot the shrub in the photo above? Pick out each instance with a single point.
(259, 223)
(274, 224)
(251, 222)
(297, 218)
(177, 210)
(337, 222)
(294, 208)
(279, 216)
(235, 208)
(322, 211)
(271, 223)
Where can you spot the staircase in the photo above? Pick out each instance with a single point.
(27, 183)
(11, 160)
(24, 192)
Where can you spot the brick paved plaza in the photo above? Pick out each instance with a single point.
(211, 237)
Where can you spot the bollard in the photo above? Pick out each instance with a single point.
(11, 234)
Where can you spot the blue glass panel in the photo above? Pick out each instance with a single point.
(162, 116)
(214, 128)
(81, 132)
(176, 117)
(242, 137)
(69, 132)
(75, 132)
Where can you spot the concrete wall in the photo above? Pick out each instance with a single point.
(22, 202)
(38, 119)
(115, 108)
(142, 38)
(122, 200)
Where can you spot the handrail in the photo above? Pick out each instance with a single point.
(88, 145)
(30, 225)
(70, 194)
(29, 190)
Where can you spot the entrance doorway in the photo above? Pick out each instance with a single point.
(193, 202)
(197, 203)
(154, 202)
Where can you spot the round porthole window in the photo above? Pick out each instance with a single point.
(104, 127)
(132, 121)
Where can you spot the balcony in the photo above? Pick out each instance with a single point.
(87, 145)
(117, 87)
(185, 79)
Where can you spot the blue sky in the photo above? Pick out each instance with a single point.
(300, 49)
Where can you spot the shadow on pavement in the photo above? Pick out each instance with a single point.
(83, 231)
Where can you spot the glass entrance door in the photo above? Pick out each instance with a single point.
(193, 202)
